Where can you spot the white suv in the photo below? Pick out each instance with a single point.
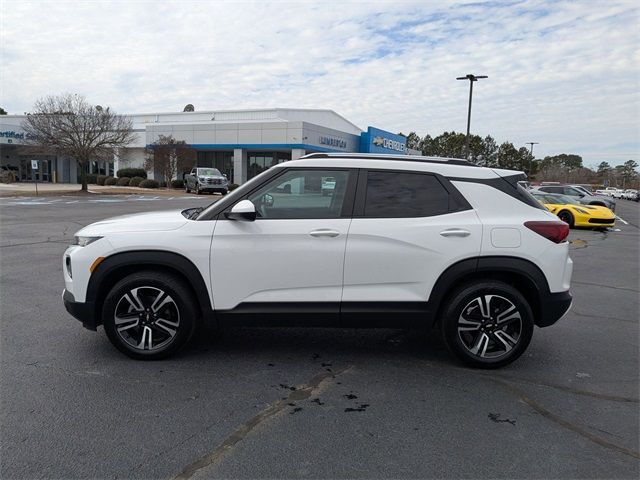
(397, 242)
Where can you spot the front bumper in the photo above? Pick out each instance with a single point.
(84, 312)
(553, 307)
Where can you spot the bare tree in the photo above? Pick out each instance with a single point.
(68, 125)
(169, 157)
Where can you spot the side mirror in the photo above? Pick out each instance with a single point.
(224, 175)
(243, 211)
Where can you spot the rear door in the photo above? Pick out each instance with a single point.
(407, 228)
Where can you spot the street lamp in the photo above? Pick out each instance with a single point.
(472, 78)
(531, 151)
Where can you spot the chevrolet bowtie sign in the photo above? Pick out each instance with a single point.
(390, 144)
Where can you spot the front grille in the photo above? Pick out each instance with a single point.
(601, 220)
(213, 181)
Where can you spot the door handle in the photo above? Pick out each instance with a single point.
(455, 232)
(324, 232)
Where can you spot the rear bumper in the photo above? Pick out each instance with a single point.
(553, 307)
(81, 311)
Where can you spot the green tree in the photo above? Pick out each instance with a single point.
(604, 168)
(413, 141)
(3, 111)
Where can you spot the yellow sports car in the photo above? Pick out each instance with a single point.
(574, 213)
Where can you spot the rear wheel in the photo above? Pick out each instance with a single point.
(149, 315)
(487, 324)
(566, 217)
(186, 187)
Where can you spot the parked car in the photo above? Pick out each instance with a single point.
(611, 192)
(579, 195)
(575, 214)
(206, 180)
(328, 186)
(630, 194)
(401, 241)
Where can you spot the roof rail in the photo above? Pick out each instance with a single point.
(384, 156)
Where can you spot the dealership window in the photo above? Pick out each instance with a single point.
(258, 162)
(398, 195)
(302, 194)
(222, 160)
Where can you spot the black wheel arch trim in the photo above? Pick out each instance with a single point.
(457, 272)
(104, 275)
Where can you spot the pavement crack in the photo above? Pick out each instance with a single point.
(301, 392)
(522, 396)
(606, 286)
(576, 391)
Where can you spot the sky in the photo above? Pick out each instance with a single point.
(564, 74)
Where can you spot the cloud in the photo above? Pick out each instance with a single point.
(565, 74)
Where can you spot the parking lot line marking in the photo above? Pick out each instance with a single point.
(302, 392)
(622, 220)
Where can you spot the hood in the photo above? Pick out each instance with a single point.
(137, 222)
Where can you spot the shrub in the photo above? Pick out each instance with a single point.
(123, 181)
(90, 177)
(100, 179)
(177, 184)
(162, 184)
(233, 186)
(7, 177)
(131, 172)
(149, 184)
(110, 181)
(135, 181)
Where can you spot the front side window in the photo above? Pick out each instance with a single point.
(302, 194)
(396, 194)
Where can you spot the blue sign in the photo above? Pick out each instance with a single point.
(375, 140)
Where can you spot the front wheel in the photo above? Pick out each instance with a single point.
(487, 324)
(566, 217)
(197, 189)
(149, 315)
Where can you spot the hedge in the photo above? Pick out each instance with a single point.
(131, 172)
(100, 179)
(177, 184)
(135, 181)
(148, 184)
(123, 181)
(110, 181)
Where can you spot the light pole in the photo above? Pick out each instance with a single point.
(472, 78)
(531, 151)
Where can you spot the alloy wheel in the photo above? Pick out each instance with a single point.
(490, 326)
(147, 318)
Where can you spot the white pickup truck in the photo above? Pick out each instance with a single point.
(611, 192)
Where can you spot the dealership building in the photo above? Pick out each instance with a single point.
(239, 143)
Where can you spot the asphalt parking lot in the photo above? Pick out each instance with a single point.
(295, 403)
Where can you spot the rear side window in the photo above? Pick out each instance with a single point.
(398, 195)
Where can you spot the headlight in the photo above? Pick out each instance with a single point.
(84, 241)
(201, 179)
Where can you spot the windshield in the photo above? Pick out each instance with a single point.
(209, 172)
(560, 200)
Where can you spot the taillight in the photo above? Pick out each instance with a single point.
(555, 231)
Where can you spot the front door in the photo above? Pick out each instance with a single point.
(292, 256)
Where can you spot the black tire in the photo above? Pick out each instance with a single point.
(186, 188)
(139, 323)
(567, 217)
(197, 189)
(497, 341)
